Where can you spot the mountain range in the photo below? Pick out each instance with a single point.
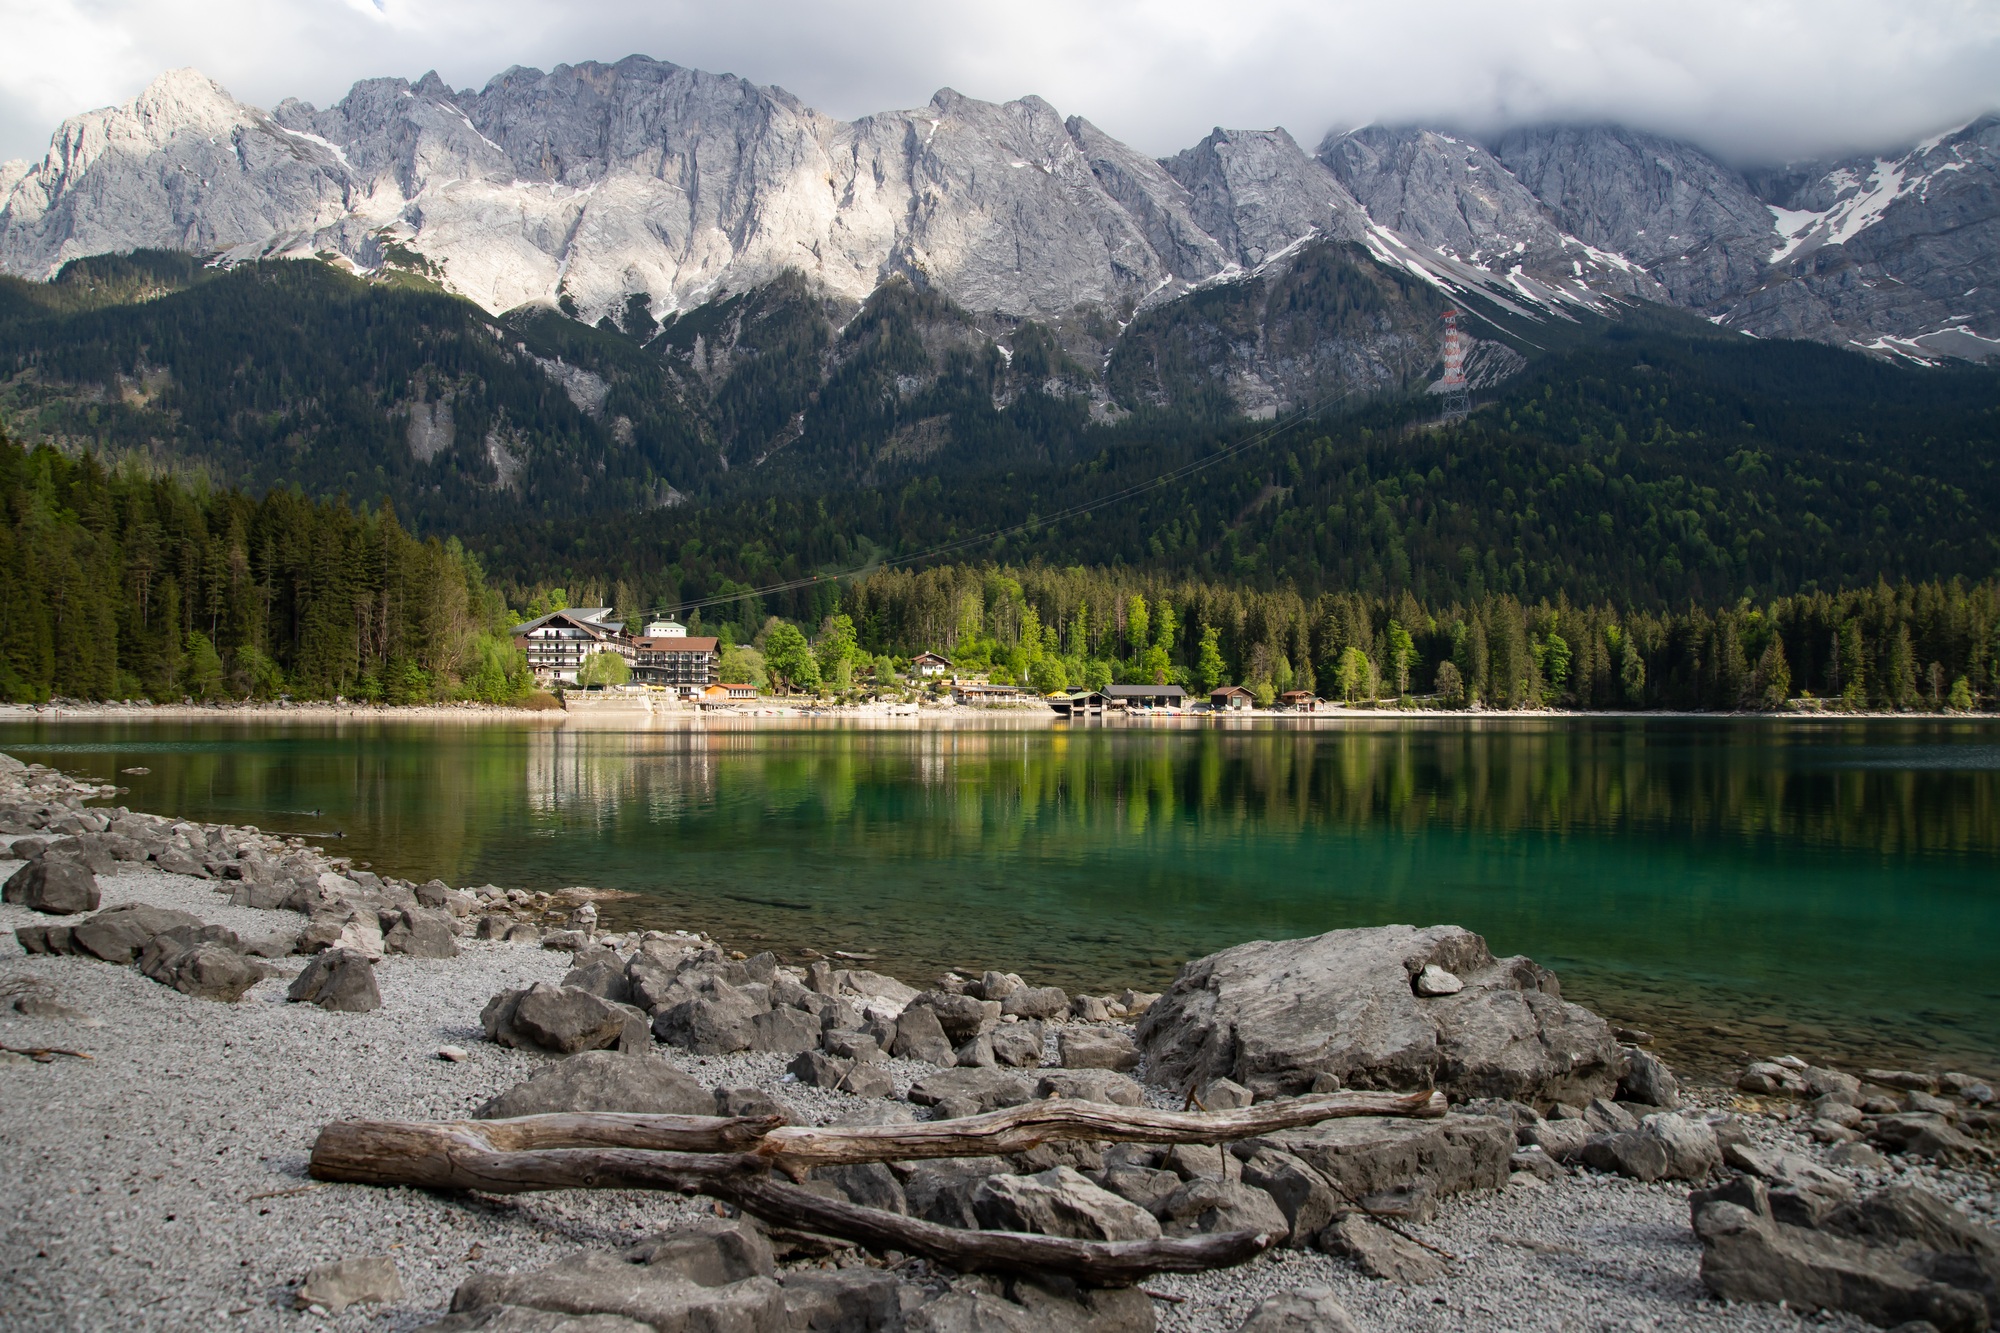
(643, 190)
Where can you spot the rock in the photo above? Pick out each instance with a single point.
(454, 1054)
(1750, 1256)
(685, 1281)
(1202, 1161)
(920, 1036)
(843, 1300)
(1537, 1163)
(1300, 1310)
(1089, 1009)
(118, 934)
(206, 962)
(603, 975)
(1211, 1205)
(1666, 1146)
(748, 1100)
(1032, 1305)
(335, 1286)
(1097, 1048)
(1380, 1252)
(338, 979)
(55, 1011)
(521, 1319)
(1608, 1117)
(1017, 1045)
(1648, 1081)
(1143, 1185)
(1562, 1140)
(1919, 1134)
(784, 1031)
(718, 1020)
(1301, 1194)
(869, 1184)
(552, 1018)
(1092, 1085)
(45, 939)
(1035, 1002)
(56, 885)
(1060, 1202)
(1434, 981)
(985, 1089)
(856, 1046)
(1275, 1016)
(603, 1081)
(1925, 1102)
(941, 1191)
(1857, 1156)
(1369, 1155)
(1908, 1080)
(976, 1054)
(1224, 1094)
(960, 1017)
(419, 933)
(1831, 1083)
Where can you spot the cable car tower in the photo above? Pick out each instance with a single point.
(1454, 396)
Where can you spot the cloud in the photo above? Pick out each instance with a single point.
(1756, 80)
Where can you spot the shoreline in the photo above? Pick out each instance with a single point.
(195, 1118)
(780, 711)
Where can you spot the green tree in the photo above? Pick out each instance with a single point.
(790, 660)
(1136, 625)
(1351, 677)
(1961, 695)
(1902, 670)
(1772, 680)
(203, 671)
(1210, 669)
(743, 665)
(1631, 672)
(1450, 687)
(604, 668)
(1402, 654)
(1556, 659)
(1048, 674)
(1096, 674)
(1852, 666)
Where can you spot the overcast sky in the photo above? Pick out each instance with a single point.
(1757, 80)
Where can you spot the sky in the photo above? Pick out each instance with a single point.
(1757, 81)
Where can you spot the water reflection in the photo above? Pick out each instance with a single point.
(1754, 883)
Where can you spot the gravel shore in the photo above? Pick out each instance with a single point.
(160, 1184)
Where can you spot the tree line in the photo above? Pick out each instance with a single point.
(115, 584)
(1931, 645)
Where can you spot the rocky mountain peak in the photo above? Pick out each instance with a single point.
(1257, 191)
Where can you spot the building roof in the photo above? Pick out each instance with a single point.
(1144, 692)
(939, 658)
(1298, 696)
(584, 618)
(1229, 692)
(677, 643)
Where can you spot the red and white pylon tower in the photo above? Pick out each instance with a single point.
(1456, 398)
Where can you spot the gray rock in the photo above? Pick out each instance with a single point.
(986, 1089)
(857, 1046)
(1302, 1195)
(976, 1054)
(843, 1300)
(869, 1184)
(338, 979)
(1017, 1045)
(1300, 1310)
(784, 1031)
(1562, 1140)
(1434, 981)
(603, 1081)
(1380, 1252)
(1035, 1002)
(1833, 1084)
(1648, 1081)
(118, 934)
(1029, 1305)
(553, 1018)
(721, 1019)
(919, 1036)
(672, 1284)
(1274, 1017)
(1664, 1147)
(602, 973)
(1369, 1155)
(750, 1100)
(53, 884)
(206, 962)
(1097, 1048)
(335, 1286)
(420, 933)
(1222, 1094)
(1748, 1256)
(1143, 1185)
(1060, 1202)
(942, 1191)
(1214, 1205)
(960, 1017)
(1202, 1161)
(1091, 1085)
(521, 1319)
(1921, 1134)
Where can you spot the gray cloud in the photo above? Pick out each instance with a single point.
(1756, 80)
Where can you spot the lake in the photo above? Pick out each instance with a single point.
(1764, 885)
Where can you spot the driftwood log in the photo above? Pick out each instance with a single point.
(731, 1158)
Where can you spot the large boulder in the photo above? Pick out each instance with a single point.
(419, 932)
(719, 1019)
(603, 1081)
(1300, 1310)
(1060, 1202)
(970, 1091)
(559, 1019)
(1277, 1016)
(58, 885)
(117, 934)
(1665, 1146)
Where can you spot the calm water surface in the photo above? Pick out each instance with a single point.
(1734, 885)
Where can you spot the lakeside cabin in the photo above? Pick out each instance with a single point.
(1146, 698)
(930, 664)
(1231, 699)
(728, 694)
(1299, 701)
(978, 692)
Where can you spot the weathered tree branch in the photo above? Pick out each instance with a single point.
(1020, 1128)
(441, 1156)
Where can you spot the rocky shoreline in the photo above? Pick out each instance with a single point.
(234, 991)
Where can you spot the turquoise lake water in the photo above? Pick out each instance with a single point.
(1829, 888)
